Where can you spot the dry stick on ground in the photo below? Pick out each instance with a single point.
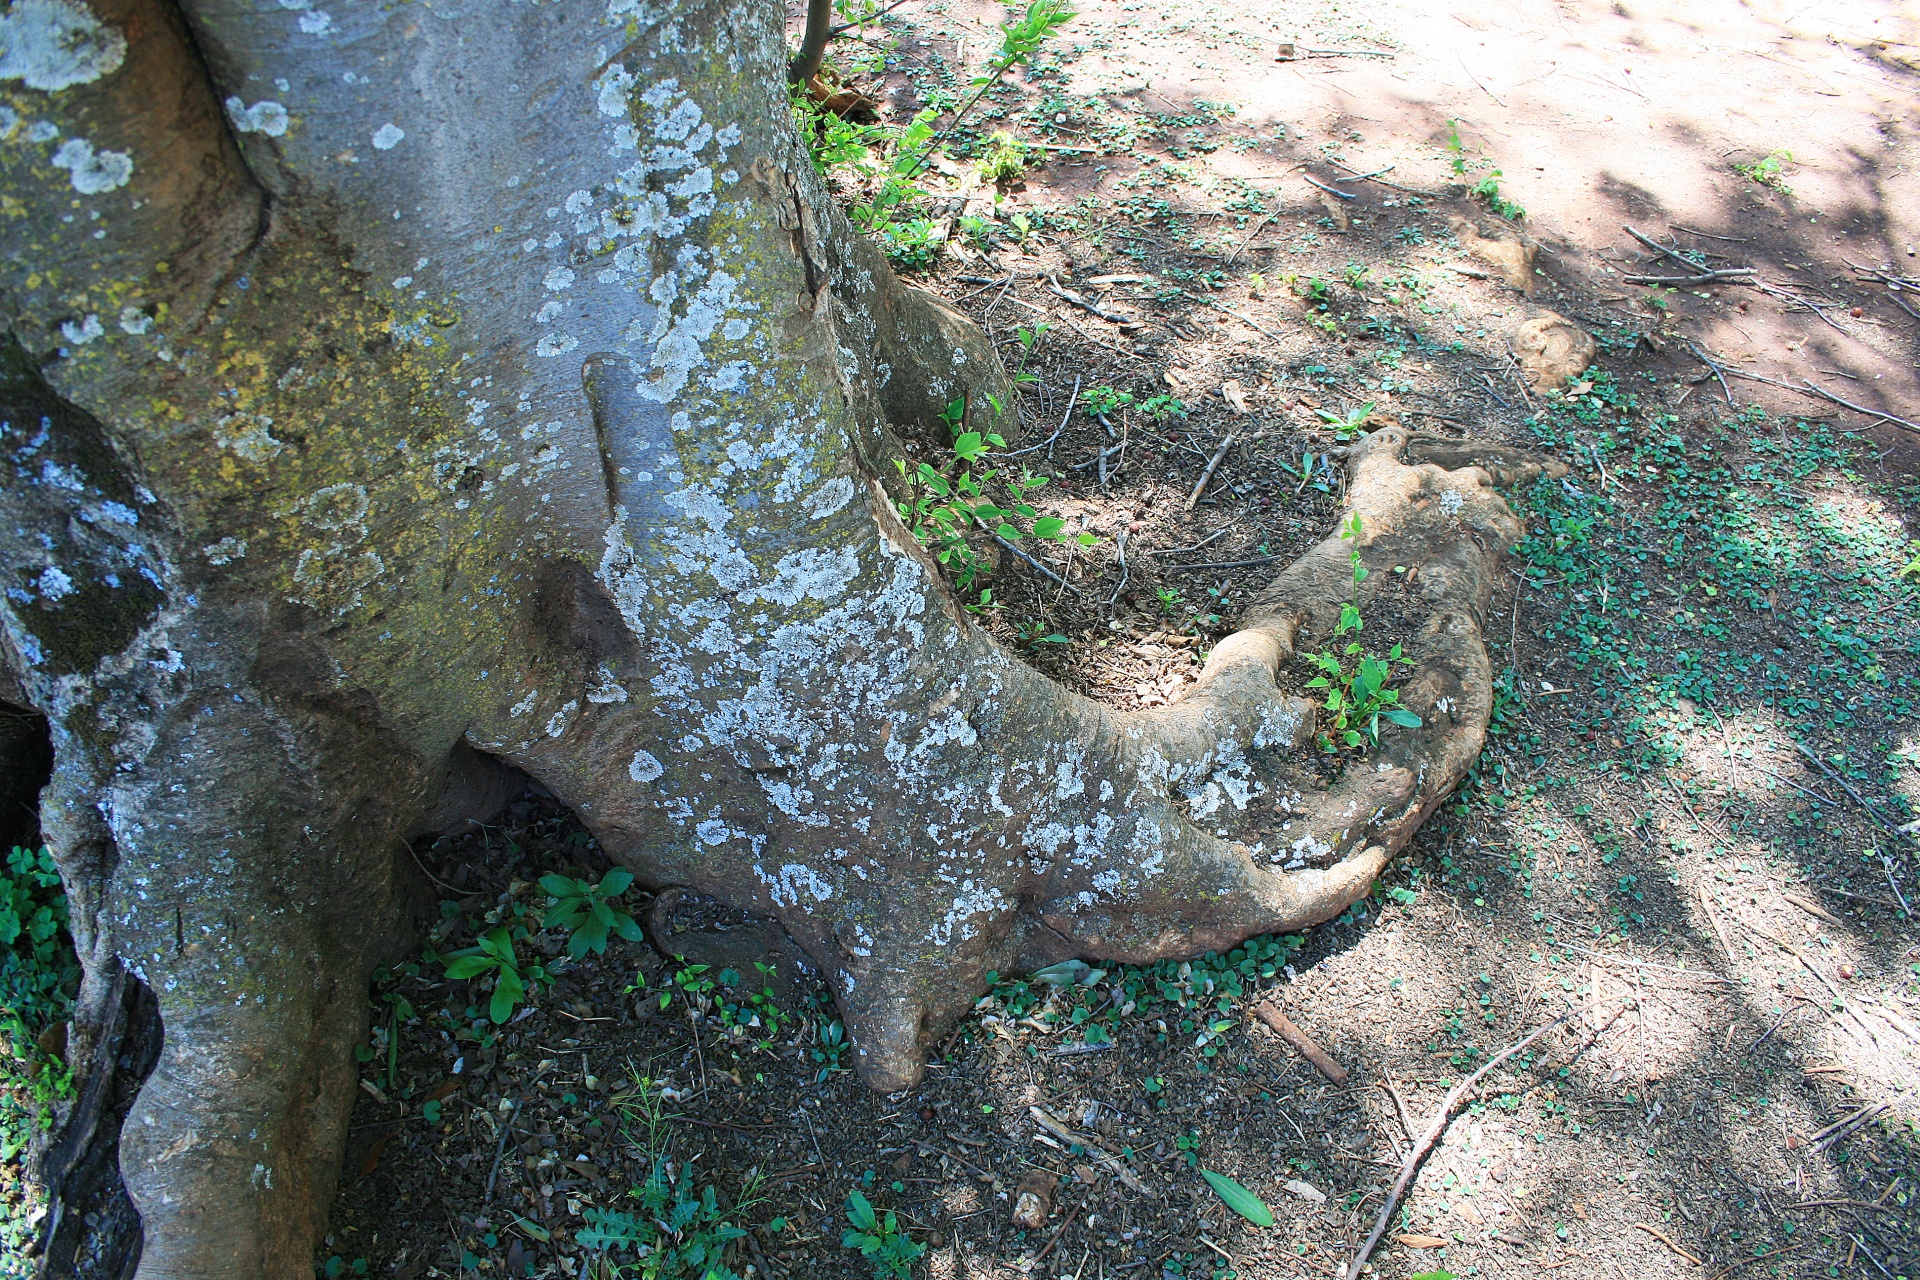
(1344, 195)
(1120, 546)
(499, 1149)
(1223, 564)
(1426, 1140)
(1727, 1271)
(1259, 226)
(1704, 272)
(1821, 393)
(1664, 1239)
(1201, 487)
(1114, 317)
(1047, 444)
(1399, 1106)
(1036, 564)
(1370, 177)
(1839, 1128)
(1858, 798)
(1293, 1035)
(1181, 551)
(1241, 316)
(1718, 372)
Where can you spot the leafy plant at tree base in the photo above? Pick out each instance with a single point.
(1357, 695)
(38, 976)
(912, 245)
(941, 511)
(1101, 401)
(679, 1233)
(587, 909)
(494, 955)
(833, 1043)
(1347, 425)
(880, 1241)
(1019, 41)
(1488, 189)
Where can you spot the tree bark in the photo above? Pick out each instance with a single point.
(388, 385)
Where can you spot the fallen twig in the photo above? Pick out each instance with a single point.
(1293, 1035)
(1120, 546)
(1718, 372)
(1433, 1131)
(1036, 564)
(1113, 317)
(1258, 227)
(1344, 195)
(1846, 787)
(1675, 254)
(1666, 1240)
(499, 1149)
(1093, 1145)
(1724, 1272)
(1181, 551)
(1705, 277)
(1047, 444)
(1201, 487)
(1842, 1128)
(1223, 564)
(1382, 181)
(1241, 316)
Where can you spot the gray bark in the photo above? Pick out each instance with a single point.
(385, 384)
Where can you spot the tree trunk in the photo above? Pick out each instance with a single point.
(389, 385)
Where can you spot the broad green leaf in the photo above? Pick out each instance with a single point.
(1048, 527)
(507, 992)
(1239, 1199)
(470, 966)
(1402, 716)
(615, 882)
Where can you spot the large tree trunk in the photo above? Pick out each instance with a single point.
(386, 382)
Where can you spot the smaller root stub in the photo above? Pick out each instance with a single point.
(1065, 828)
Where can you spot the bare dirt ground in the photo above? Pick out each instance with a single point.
(1684, 833)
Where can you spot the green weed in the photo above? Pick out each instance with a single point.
(890, 1250)
(943, 510)
(1768, 171)
(587, 909)
(493, 954)
(1004, 159)
(678, 1230)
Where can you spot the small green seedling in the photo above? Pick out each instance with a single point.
(1160, 408)
(1350, 531)
(494, 955)
(1349, 424)
(587, 909)
(879, 1240)
(1005, 158)
(1767, 172)
(679, 1232)
(832, 1038)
